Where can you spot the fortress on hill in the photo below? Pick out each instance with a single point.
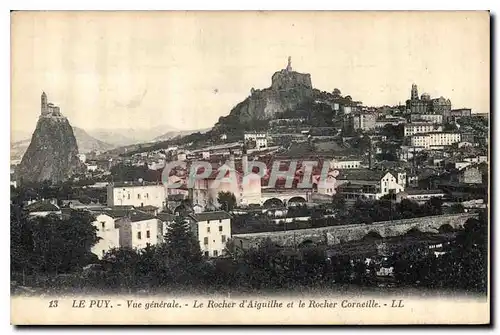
(48, 109)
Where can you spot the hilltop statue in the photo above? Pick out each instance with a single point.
(289, 66)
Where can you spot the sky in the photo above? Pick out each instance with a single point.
(111, 70)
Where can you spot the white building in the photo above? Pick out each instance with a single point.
(419, 195)
(136, 194)
(91, 167)
(260, 139)
(138, 229)
(327, 186)
(477, 159)
(364, 121)
(368, 184)
(246, 189)
(435, 139)
(108, 233)
(213, 230)
(462, 165)
(82, 157)
(345, 164)
(432, 118)
(421, 128)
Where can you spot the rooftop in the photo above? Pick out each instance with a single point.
(42, 206)
(419, 191)
(361, 174)
(136, 216)
(166, 217)
(134, 183)
(208, 216)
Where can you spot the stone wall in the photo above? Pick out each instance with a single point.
(340, 234)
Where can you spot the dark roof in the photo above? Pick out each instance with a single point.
(42, 206)
(166, 217)
(208, 216)
(418, 191)
(135, 216)
(149, 208)
(361, 174)
(176, 197)
(133, 183)
(123, 207)
(115, 213)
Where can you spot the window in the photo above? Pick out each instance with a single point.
(138, 196)
(220, 228)
(223, 238)
(220, 220)
(216, 253)
(147, 195)
(148, 235)
(205, 240)
(103, 224)
(206, 253)
(128, 196)
(208, 229)
(139, 235)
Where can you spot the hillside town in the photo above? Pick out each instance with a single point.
(360, 185)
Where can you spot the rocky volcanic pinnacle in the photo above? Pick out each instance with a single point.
(52, 153)
(288, 90)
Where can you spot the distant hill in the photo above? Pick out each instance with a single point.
(128, 136)
(87, 143)
(173, 134)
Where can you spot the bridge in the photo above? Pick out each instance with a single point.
(284, 197)
(345, 233)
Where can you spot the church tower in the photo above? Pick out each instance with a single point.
(43, 106)
(414, 92)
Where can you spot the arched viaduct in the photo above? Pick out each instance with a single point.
(339, 234)
(285, 197)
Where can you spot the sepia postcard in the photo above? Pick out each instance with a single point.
(250, 168)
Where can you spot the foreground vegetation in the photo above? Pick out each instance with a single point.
(52, 254)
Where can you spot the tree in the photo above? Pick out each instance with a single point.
(227, 200)
(180, 243)
(338, 202)
(63, 245)
(121, 265)
(436, 206)
(450, 127)
(457, 208)
(21, 242)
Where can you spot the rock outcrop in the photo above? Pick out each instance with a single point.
(288, 90)
(52, 153)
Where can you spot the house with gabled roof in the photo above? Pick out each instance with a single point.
(213, 230)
